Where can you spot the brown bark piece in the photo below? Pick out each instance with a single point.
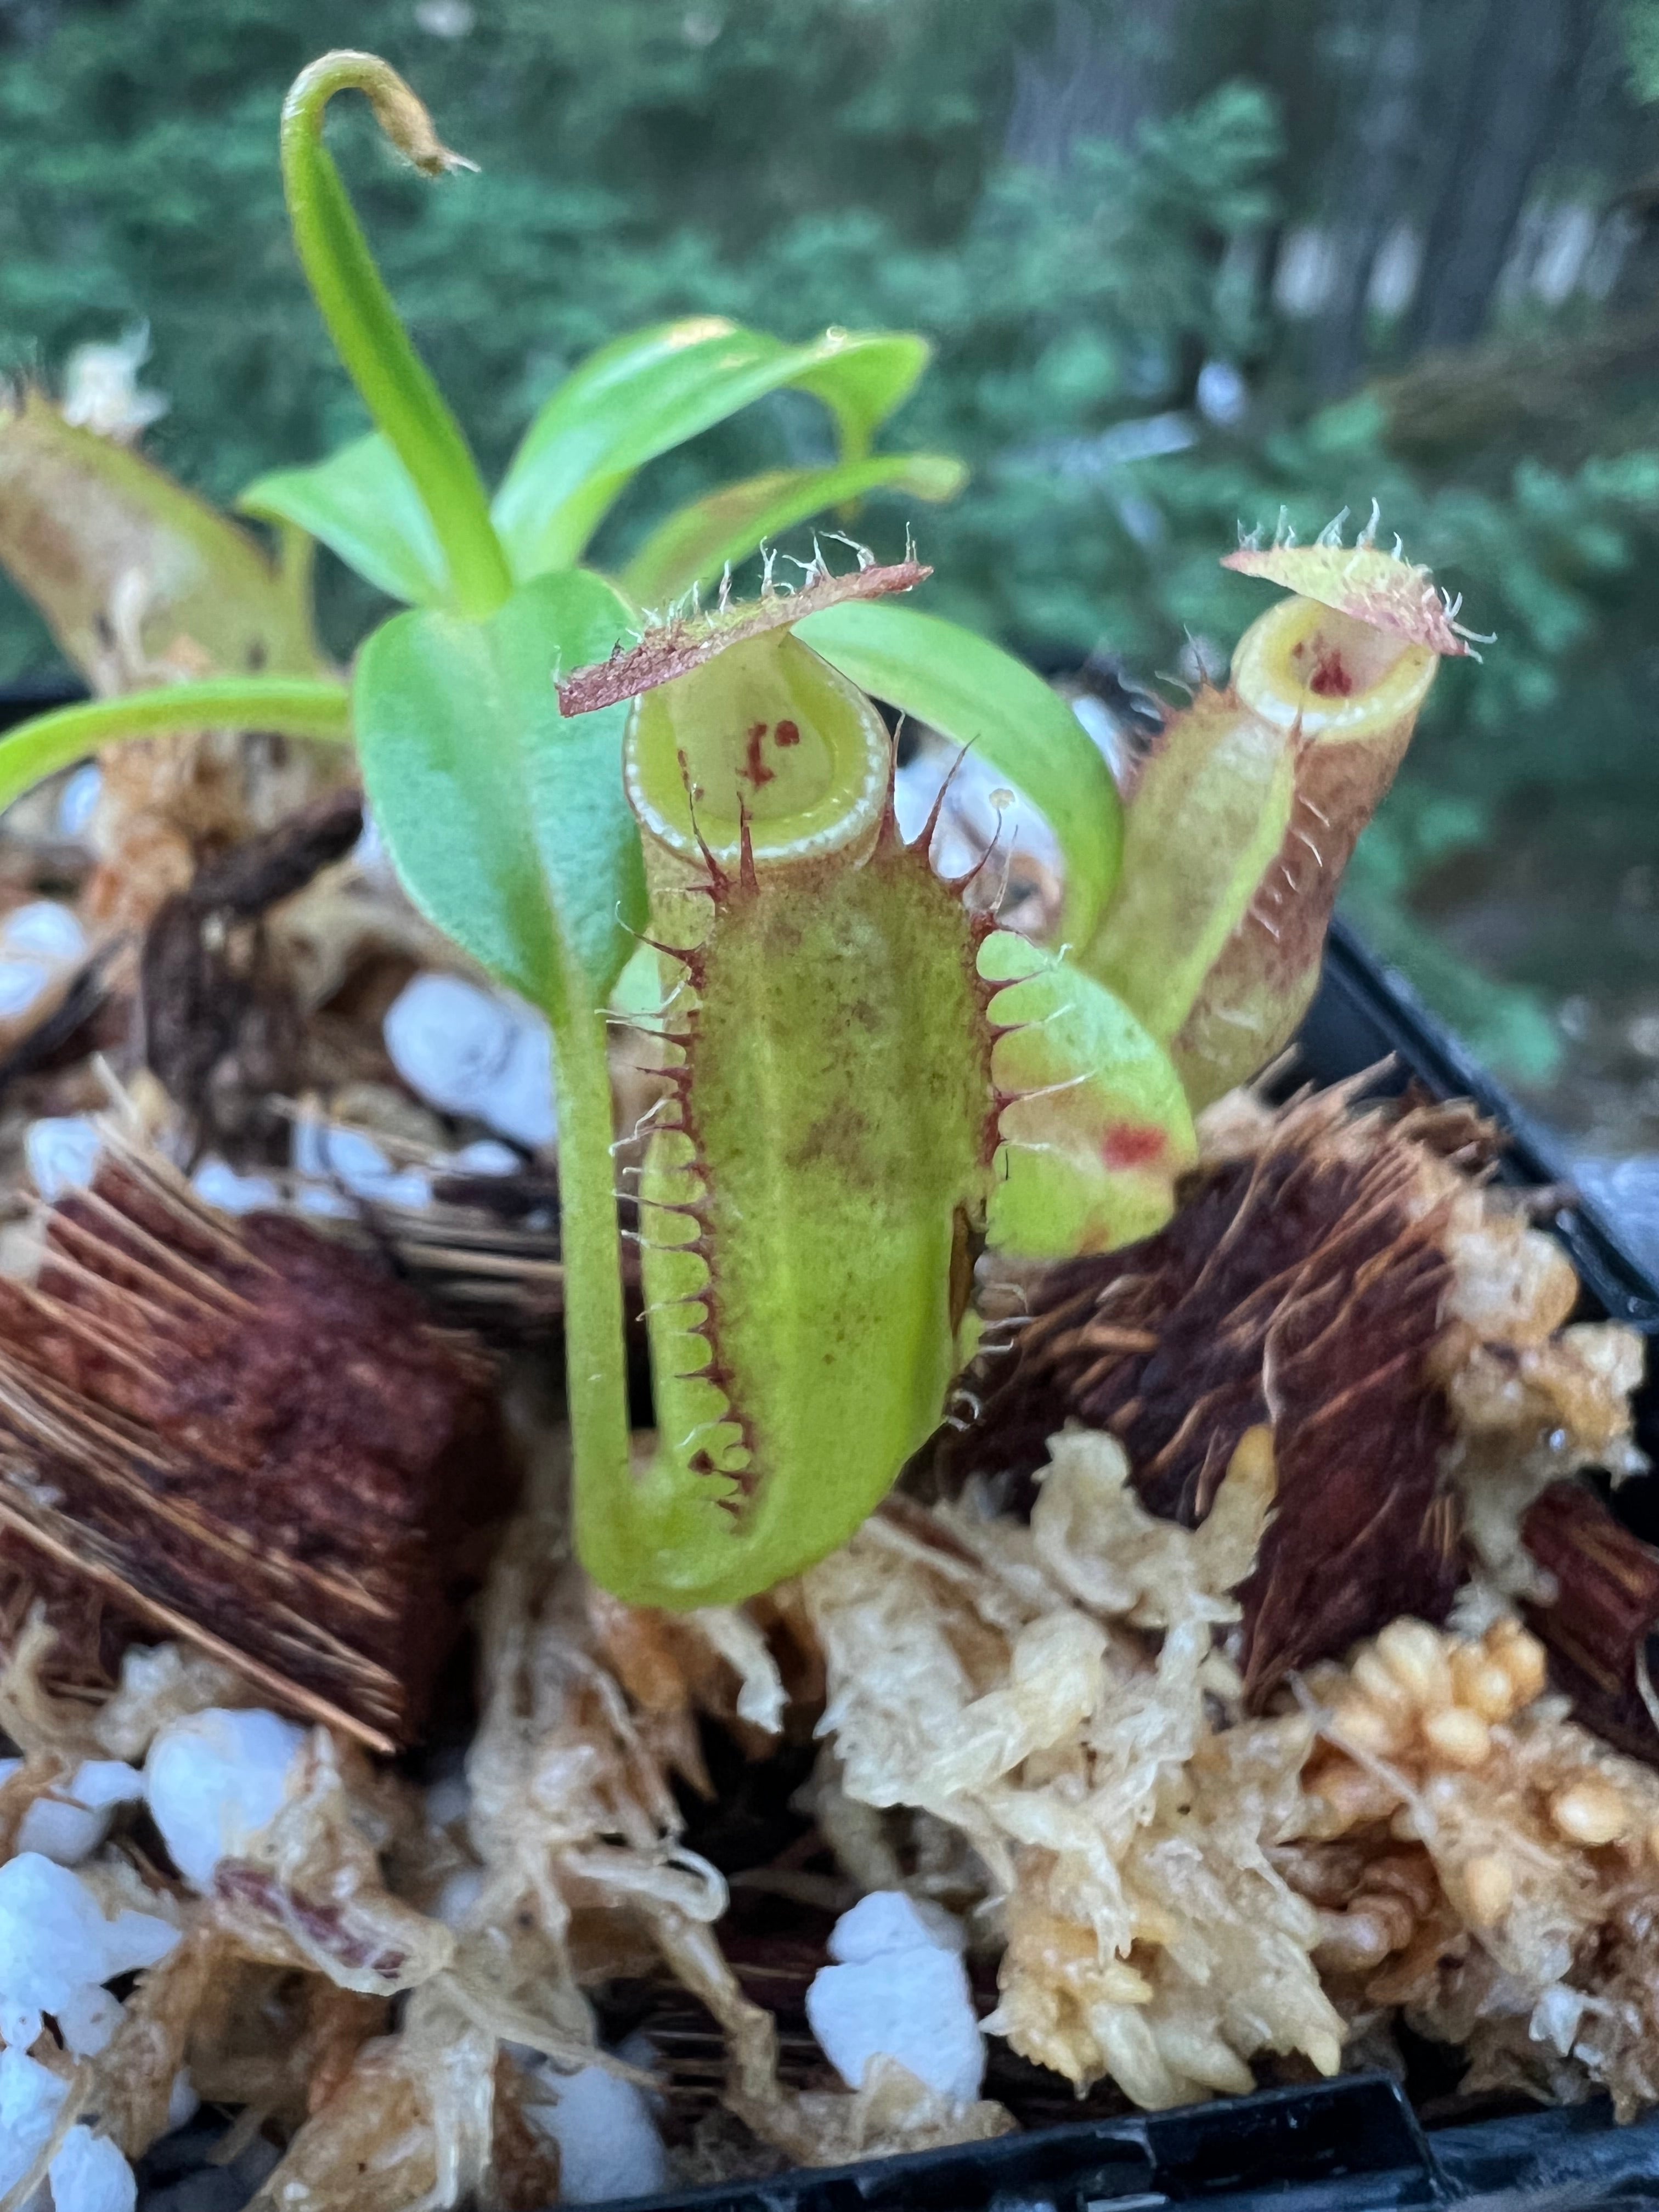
(1606, 1607)
(1301, 1287)
(250, 1435)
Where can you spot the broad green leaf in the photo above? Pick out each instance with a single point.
(973, 692)
(653, 389)
(127, 566)
(507, 823)
(361, 503)
(695, 542)
(291, 707)
(862, 376)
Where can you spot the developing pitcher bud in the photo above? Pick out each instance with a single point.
(1246, 815)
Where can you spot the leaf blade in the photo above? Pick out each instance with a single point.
(507, 824)
(974, 693)
(80, 515)
(363, 504)
(361, 320)
(655, 389)
(291, 707)
(696, 542)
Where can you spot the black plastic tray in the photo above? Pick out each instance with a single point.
(1355, 2142)
(1365, 1012)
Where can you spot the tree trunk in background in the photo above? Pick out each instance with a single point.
(1097, 78)
(1384, 139)
(1521, 63)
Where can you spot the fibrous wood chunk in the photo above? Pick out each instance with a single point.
(250, 1435)
(1300, 1287)
(1604, 1609)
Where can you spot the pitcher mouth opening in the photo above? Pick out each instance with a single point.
(770, 736)
(1308, 666)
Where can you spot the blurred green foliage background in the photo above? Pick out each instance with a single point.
(1185, 263)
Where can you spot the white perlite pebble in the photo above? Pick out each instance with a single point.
(184, 2104)
(44, 930)
(88, 2020)
(470, 1051)
(69, 1824)
(90, 2175)
(216, 1780)
(608, 2141)
(78, 800)
(331, 1155)
(223, 1186)
(57, 1947)
(100, 1782)
(456, 1900)
(68, 1833)
(62, 1152)
(29, 2098)
(899, 1989)
(22, 982)
(483, 1156)
(39, 944)
(979, 810)
(449, 1799)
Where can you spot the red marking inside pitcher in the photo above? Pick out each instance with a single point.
(1132, 1144)
(755, 770)
(1332, 678)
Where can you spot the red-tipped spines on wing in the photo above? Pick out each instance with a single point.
(1380, 589)
(685, 642)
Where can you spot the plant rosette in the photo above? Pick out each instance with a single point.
(1090, 1689)
(866, 1078)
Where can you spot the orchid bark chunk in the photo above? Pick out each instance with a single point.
(860, 1070)
(1249, 808)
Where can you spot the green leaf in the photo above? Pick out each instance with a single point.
(861, 376)
(654, 389)
(82, 517)
(368, 332)
(361, 503)
(695, 542)
(507, 823)
(972, 691)
(290, 707)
